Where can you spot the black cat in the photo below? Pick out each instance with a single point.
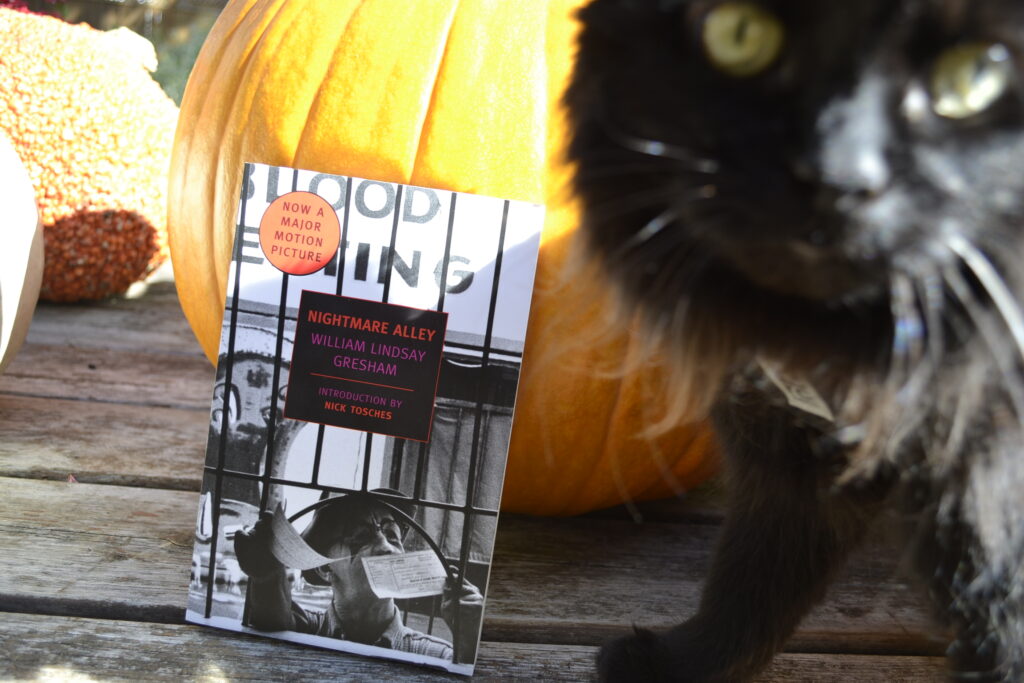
(819, 205)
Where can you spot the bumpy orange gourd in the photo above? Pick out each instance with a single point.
(94, 131)
(451, 94)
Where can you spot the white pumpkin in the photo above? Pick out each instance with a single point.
(21, 252)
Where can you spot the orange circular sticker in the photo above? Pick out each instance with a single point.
(300, 233)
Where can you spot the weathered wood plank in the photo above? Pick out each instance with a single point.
(102, 443)
(110, 375)
(119, 650)
(97, 550)
(125, 552)
(55, 647)
(651, 574)
(160, 447)
(808, 668)
(136, 350)
(151, 320)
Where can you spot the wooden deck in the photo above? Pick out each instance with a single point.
(103, 420)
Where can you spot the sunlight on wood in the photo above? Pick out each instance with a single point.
(61, 673)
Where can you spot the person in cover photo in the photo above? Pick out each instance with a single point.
(350, 527)
(250, 401)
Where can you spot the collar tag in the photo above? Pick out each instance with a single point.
(799, 393)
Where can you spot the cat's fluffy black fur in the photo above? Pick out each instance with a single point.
(821, 218)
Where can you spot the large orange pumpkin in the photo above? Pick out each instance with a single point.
(452, 94)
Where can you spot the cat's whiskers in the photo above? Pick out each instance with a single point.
(624, 206)
(683, 266)
(648, 232)
(994, 285)
(911, 364)
(931, 294)
(655, 148)
(617, 168)
(673, 329)
(1007, 360)
(669, 216)
(908, 329)
(650, 229)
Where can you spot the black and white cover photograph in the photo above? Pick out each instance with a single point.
(372, 343)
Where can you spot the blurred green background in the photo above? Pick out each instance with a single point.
(176, 27)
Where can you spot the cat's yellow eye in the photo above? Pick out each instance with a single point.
(967, 79)
(741, 39)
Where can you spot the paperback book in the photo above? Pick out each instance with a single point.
(371, 348)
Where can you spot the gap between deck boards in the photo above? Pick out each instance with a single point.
(44, 646)
(567, 581)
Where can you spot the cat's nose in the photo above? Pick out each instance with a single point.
(864, 173)
(853, 137)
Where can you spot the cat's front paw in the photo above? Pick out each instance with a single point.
(684, 654)
(640, 656)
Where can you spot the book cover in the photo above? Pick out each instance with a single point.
(371, 348)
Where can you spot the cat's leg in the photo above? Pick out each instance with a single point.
(786, 533)
(971, 550)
